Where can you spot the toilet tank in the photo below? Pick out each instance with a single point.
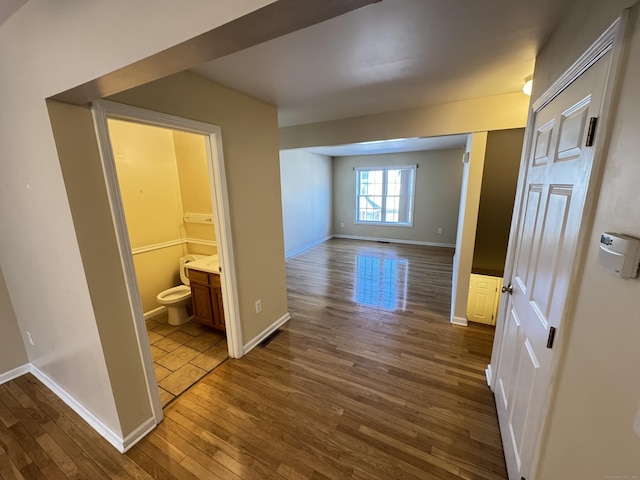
(184, 273)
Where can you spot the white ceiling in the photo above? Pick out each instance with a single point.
(393, 55)
(8, 8)
(392, 146)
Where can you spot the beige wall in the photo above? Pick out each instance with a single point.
(437, 195)
(307, 189)
(594, 425)
(76, 142)
(250, 143)
(498, 193)
(467, 223)
(37, 231)
(195, 189)
(162, 175)
(12, 351)
(145, 161)
(477, 115)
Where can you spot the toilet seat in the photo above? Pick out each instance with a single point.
(174, 295)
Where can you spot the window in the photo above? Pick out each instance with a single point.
(384, 195)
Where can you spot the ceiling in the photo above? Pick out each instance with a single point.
(393, 55)
(8, 8)
(392, 146)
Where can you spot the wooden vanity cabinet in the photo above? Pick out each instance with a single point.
(206, 296)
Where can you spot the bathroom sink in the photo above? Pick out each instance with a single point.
(208, 264)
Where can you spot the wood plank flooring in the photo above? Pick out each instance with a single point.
(367, 381)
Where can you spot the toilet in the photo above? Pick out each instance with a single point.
(177, 298)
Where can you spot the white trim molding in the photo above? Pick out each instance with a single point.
(172, 243)
(266, 332)
(157, 246)
(489, 375)
(14, 373)
(300, 250)
(395, 240)
(463, 322)
(115, 439)
(155, 312)
(199, 241)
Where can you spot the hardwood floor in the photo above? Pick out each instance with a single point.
(367, 381)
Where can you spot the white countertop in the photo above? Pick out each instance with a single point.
(208, 264)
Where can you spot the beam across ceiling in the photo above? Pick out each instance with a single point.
(274, 20)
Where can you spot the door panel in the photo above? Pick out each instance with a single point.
(483, 293)
(551, 239)
(556, 185)
(525, 247)
(512, 330)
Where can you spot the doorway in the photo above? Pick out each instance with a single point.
(112, 120)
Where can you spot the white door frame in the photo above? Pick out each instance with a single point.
(103, 110)
(611, 41)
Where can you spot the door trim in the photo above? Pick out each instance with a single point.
(104, 109)
(612, 40)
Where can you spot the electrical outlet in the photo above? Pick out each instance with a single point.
(342, 224)
(258, 306)
(439, 230)
(30, 338)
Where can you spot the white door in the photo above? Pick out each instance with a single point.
(482, 306)
(557, 179)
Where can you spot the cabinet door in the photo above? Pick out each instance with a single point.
(202, 304)
(218, 314)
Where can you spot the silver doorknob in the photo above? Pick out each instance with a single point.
(508, 289)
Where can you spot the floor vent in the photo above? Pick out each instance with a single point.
(267, 340)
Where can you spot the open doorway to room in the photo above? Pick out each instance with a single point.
(163, 179)
(495, 209)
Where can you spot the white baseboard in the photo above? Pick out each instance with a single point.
(459, 321)
(489, 374)
(14, 373)
(306, 247)
(268, 331)
(115, 439)
(138, 434)
(155, 312)
(395, 240)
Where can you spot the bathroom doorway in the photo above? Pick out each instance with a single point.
(167, 189)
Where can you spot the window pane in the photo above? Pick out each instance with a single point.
(385, 195)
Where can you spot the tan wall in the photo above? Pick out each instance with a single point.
(162, 175)
(148, 177)
(250, 143)
(76, 142)
(477, 115)
(37, 231)
(156, 271)
(499, 181)
(594, 425)
(193, 173)
(12, 351)
(467, 223)
(307, 187)
(437, 195)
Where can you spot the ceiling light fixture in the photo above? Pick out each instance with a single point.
(528, 85)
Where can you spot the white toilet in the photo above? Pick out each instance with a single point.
(177, 298)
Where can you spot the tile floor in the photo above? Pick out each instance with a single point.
(182, 355)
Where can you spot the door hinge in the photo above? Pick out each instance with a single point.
(552, 336)
(591, 133)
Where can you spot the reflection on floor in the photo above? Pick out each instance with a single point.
(183, 355)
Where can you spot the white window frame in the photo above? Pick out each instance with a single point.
(385, 169)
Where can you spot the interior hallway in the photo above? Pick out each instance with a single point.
(367, 381)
